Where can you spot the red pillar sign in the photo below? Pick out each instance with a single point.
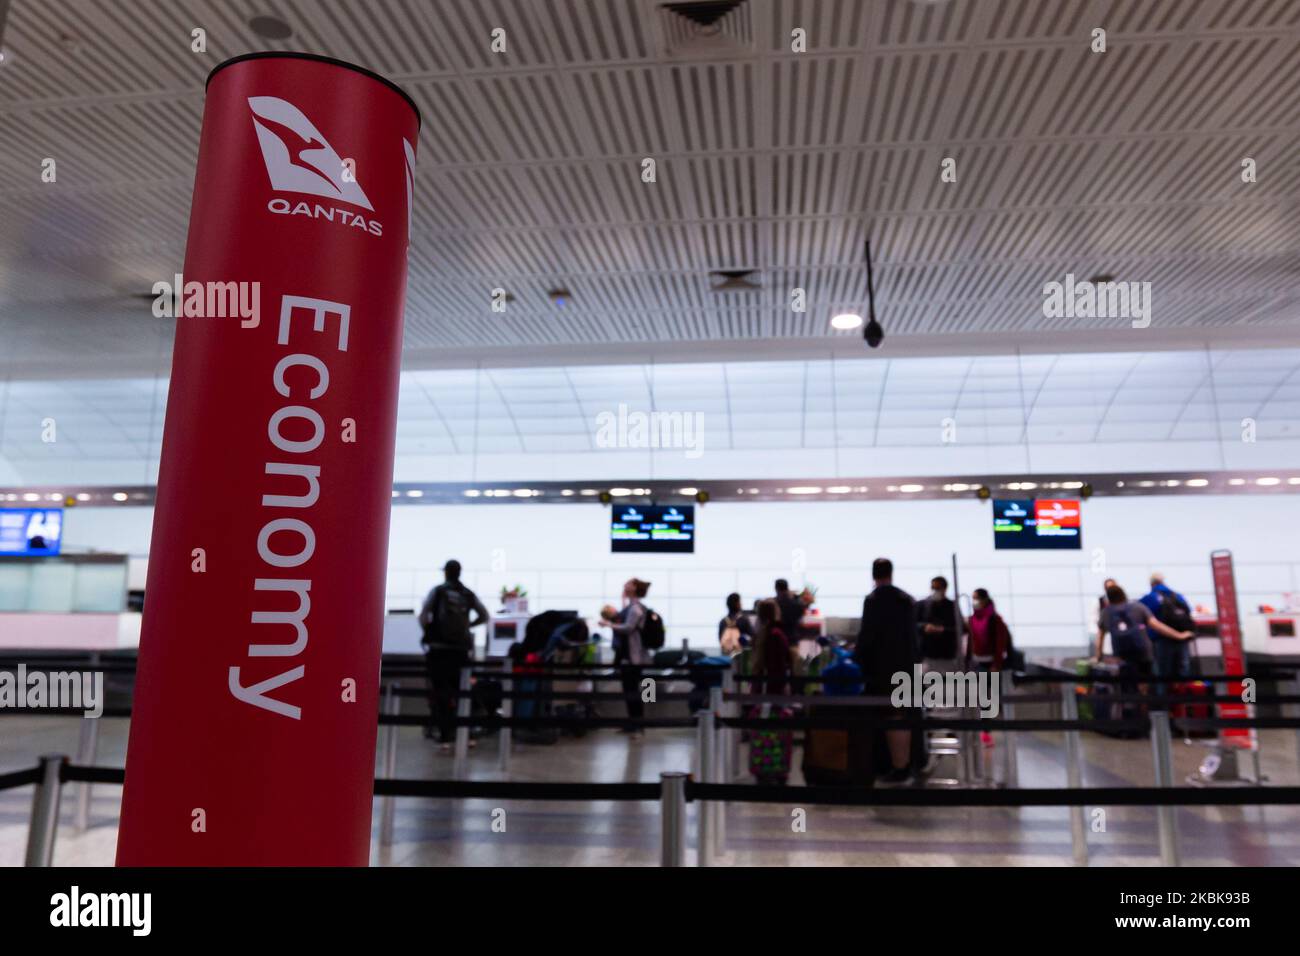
(1234, 654)
(254, 725)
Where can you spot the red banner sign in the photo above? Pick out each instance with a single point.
(1232, 649)
(253, 733)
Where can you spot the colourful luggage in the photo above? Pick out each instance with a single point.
(769, 750)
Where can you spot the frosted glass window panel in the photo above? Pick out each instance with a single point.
(99, 587)
(51, 589)
(15, 581)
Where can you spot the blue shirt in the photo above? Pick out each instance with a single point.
(1152, 600)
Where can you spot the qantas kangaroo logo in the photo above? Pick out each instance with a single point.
(298, 158)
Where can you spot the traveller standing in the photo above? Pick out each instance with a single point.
(450, 613)
(886, 646)
(936, 627)
(626, 625)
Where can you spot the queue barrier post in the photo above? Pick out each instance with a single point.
(1162, 756)
(504, 741)
(1295, 712)
(733, 735)
(462, 711)
(1074, 776)
(721, 749)
(392, 706)
(1010, 763)
(87, 747)
(672, 812)
(704, 734)
(45, 812)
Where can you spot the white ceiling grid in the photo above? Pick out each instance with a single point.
(1118, 411)
(1125, 162)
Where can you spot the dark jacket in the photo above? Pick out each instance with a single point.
(446, 615)
(791, 614)
(887, 637)
(943, 612)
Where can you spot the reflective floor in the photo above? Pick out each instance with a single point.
(460, 833)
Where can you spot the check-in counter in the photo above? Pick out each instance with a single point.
(69, 601)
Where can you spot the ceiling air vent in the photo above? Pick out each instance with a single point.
(706, 27)
(734, 280)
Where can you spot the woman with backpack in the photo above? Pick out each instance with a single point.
(1128, 622)
(627, 626)
(990, 638)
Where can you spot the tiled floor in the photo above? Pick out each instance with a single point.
(445, 832)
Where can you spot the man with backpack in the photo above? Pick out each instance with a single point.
(445, 620)
(1172, 658)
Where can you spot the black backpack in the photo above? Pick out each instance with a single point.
(1175, 613)
(652, 631)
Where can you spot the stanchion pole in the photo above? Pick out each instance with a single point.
(1074, 776)
(462, 711)
(1010, 764)
(507, 710)
(721, 750)
(672, 811)
(392, 705)
(733, 735)
(1163, 758)
(1295, 712)
(45, 812)
(704, 731)
(87, 747)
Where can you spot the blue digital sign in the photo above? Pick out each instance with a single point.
(30, 532)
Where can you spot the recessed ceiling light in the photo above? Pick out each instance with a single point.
(838, 490)
(911, 489)
(415, 493)
(1197, 482)
(1236, 481)
(620, 492)
(119, 496)
(804, 490)
(687, 491)
(1268, 482)
(846, 321)
(270, 28)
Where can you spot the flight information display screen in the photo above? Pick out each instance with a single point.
(1037, 523)
(31, 532)
(653, 528)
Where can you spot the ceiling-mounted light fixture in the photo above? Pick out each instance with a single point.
(846, 321)
(270, 28)
(873, 333)
(734, 280)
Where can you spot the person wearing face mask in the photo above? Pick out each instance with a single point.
(936, 628)
(990, 638)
